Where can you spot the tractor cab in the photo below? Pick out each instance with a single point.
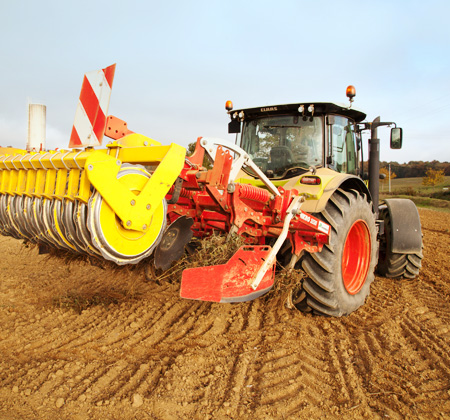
(286, 141)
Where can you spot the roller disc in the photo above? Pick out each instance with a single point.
(117, 244)
(67, 220)
(83, 234)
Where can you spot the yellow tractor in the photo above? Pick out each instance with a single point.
(291, 186)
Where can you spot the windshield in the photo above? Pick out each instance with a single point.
(277, 144)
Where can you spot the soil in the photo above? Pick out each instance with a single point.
(81, 342)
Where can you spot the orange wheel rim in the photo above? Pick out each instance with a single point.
(356, 257)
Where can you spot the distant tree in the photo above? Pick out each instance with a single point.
(414, 169)
(206, 160)
(433, 177)
(190, 149)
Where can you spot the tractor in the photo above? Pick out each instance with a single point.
(316, 148)
(292, 187)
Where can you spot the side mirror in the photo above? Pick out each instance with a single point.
(234, 126)
(396, 138)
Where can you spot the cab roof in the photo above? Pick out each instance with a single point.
(320, 108)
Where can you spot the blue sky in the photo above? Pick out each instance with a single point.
(179, 61)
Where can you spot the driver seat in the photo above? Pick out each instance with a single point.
(280, 157)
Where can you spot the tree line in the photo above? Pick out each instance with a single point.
(414, 169)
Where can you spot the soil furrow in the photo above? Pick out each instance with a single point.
(80, 342)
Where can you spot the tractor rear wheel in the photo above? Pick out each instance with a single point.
(392, 264)
(339, 277)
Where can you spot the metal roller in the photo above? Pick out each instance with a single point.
(115, 242)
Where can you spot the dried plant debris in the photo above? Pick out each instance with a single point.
(214, 250)
(107, 283)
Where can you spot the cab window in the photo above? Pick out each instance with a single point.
(280, 144)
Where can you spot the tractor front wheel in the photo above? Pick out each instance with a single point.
(393, 264)
(338, 278)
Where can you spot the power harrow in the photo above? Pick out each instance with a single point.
(137, 199)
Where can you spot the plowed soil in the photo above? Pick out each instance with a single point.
(80, 342)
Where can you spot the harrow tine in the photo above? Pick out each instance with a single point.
(10, 211)
(38, 233)
(61, 229)
(38, 221)
(4, 217)
(21, 215)
(47, 213)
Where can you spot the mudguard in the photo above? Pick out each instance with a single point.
(405, 226)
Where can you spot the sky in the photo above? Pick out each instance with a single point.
(178, 62)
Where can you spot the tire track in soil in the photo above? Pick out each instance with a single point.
(404, 369)
(165, 335)
(369, 372)
(171, 327)
(252, 360)
(289, 381)
(342, 349)
(240, 372)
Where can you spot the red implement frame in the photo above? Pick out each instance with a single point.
(217, 204)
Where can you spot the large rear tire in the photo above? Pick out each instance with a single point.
(392, 264)
(339, 277)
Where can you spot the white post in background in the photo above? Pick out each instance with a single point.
(36, 127)
(389, 178)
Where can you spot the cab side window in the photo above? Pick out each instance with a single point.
(342, 154)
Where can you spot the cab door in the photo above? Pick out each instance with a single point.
(342, 151)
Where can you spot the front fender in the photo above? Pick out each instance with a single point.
(318, 196)
(406, 232)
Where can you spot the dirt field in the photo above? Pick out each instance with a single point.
(155, 356)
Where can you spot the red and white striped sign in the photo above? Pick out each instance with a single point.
(92, 109)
